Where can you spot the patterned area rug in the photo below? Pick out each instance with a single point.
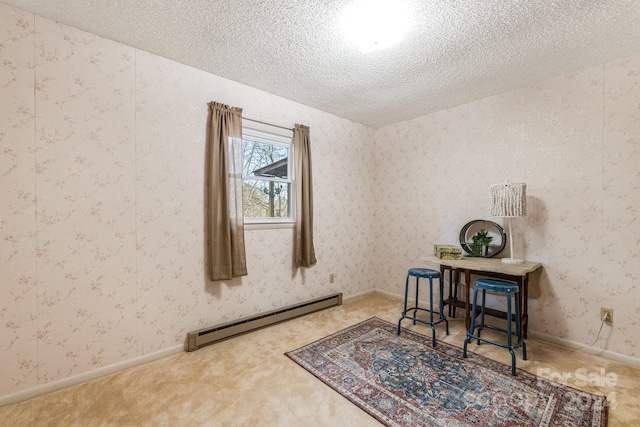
(403, 381)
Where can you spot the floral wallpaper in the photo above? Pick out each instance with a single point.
(575, 141)
(18, 297)
(102, 214)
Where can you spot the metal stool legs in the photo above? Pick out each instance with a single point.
(509, 290)
(411, 313)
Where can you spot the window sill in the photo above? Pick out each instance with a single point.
(268, 225)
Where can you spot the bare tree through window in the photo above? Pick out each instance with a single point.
(266, 181)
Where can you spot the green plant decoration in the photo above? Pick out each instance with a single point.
(480, 242)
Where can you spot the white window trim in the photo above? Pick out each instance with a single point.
(272, 135)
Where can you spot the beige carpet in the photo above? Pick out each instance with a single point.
(248, 381)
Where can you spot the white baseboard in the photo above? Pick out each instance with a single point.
(86, 376)
(41, 389)
(120, 366)
(400, 297)
(389, 294)
(627, 360)
(357, 296)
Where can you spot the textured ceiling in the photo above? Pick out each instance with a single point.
(456, 50)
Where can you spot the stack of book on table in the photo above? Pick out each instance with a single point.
(447, 251)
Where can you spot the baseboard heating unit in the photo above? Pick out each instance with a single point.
(202, 337)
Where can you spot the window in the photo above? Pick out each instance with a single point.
(267, 174)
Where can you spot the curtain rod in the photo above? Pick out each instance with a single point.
(266, 123)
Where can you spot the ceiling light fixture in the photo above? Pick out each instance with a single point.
(375, 24)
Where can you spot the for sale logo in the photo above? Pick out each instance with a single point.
(585, 377)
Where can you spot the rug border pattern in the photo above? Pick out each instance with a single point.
(525, 377)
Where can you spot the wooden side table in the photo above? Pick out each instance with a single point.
(492, 268)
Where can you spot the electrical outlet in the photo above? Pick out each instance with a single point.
(332, 278)
(606, 314)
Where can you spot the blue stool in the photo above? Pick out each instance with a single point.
(424, 273)
(508, 289)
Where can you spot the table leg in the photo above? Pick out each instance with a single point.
(450, 294)
(442, 270)
(523, 297)
(467, 306)
(456, 281)
(525, 306)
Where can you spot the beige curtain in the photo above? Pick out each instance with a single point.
(226, 257)
(305, 255)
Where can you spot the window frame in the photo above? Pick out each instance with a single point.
(273, 135)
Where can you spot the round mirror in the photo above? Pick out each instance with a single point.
(482, 238)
